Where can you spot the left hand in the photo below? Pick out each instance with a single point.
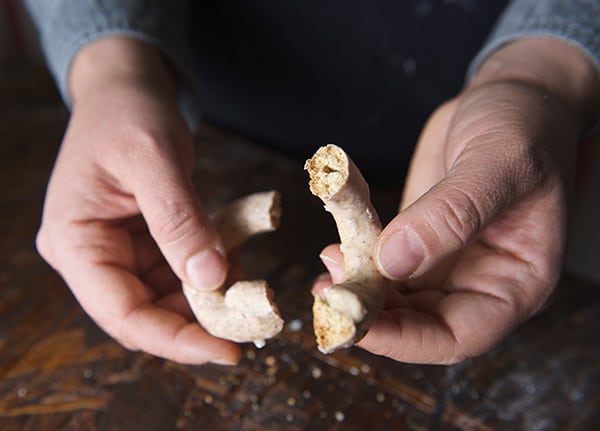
(477, 247)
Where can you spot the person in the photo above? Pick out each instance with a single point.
(477, 245)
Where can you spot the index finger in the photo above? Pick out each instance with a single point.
(123, 306)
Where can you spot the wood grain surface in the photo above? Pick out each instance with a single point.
(58, 371)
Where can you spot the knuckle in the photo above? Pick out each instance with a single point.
(526, 302)
(42, 245)
(127, 344)
(122, 333)
(173, 222)
(177, 349)
(459, 215)
(44, 248)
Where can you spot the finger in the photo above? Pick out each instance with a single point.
(477, 188)
(449, 335)
(44, 248)
(396, 298)
(321, 283)
(125, 310)
(177, 303)
(161, 279)
(150, 264)
(333, 259)
(178, 222)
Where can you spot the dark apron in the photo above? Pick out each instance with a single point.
(365, 75)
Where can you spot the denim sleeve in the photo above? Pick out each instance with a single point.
(574, 21)
(65, 26)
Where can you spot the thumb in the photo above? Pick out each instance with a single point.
(444, 219)
(180, 226)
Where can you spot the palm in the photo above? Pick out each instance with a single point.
(492, 277)
(471, 298)
(140, 256)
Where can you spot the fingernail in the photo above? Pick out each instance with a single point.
(334, 267)
(222, 361)
(401, 254)
(321, 284)
(206, 270)
(326, 258)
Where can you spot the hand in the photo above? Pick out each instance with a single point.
(121, 222)
(478, 244)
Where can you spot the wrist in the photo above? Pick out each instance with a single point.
(118, 61)
(554, 68)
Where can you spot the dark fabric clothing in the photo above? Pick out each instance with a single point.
(363, 75)
(298, 74)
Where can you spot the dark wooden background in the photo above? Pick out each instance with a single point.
(58, 371)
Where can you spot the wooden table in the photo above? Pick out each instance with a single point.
(58, 371)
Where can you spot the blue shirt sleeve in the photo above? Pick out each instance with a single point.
(574, 21)
(65, 26)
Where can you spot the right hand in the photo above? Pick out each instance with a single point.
(121, 221)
